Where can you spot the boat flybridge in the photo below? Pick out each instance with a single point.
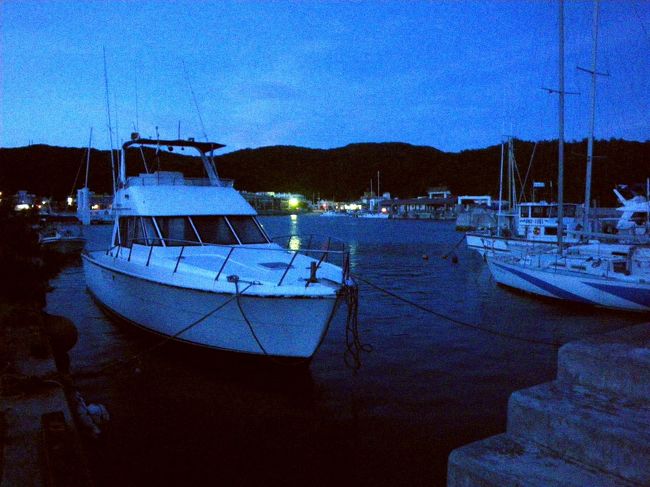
(189, 260)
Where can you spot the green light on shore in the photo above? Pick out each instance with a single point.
(293, 202)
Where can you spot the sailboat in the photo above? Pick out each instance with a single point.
(609, 275)
(377, 211)
(89, 212)
(525, 224)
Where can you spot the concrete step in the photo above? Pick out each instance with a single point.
(585, 425)
(502, 461)
(618, 362)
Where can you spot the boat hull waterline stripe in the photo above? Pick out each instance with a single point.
(634, 295)
(549, 288)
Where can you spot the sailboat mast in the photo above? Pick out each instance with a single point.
(560, 162)
(509, 176)
(90, 141)
(590, 140)
(500, 192)
(511, 164)
(108, 116)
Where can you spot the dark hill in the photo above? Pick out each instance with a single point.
(345, 172)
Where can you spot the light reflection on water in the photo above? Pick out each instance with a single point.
(428, 386)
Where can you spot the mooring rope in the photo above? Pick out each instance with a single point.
(454, 247)
(169, 338)
(235, 279)
(455, 320)
(353, 345)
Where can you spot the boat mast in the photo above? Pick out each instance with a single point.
(560, 162)
(108, 116)
(590, 140)
(512, 197)
(90, 141)
(500, 192)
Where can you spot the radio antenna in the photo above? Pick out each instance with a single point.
(196, 105)
(108, 116)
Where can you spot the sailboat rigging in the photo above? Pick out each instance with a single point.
(608, 275)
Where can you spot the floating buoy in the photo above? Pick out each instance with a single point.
(425, 257)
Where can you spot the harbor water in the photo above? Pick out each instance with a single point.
(185, 416)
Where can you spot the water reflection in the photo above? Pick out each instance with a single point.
(293, 224)
(294, 242)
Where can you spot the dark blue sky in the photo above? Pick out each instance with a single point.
(452, 75)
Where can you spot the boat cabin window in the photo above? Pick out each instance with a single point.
(247, 229)
(639, 217)
(569, 211)
(177, 231)
(214, 230)
(139, 230)
(538, 211)
(523, 212)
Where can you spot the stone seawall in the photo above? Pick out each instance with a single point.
(589, 427)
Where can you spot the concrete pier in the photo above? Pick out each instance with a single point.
(39, 443)
(591, 426)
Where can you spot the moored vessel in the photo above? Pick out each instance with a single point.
(189, 260)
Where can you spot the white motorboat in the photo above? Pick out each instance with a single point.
(376, 215)
(635, 215)
(334, 214)
(189, 260)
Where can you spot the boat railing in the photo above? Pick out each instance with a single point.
(175, 180)
(320, 249)
(317, 246)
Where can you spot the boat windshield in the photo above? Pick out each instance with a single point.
(214, 230)
(247, 230)
(177, 230)
(174, 231)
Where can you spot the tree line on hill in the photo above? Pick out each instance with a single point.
(344, 173)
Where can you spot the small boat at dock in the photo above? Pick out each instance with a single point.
(61, 233)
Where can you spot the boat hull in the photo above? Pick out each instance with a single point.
(493, 245)
(63, 245)
(569, 286)
(273, 326)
